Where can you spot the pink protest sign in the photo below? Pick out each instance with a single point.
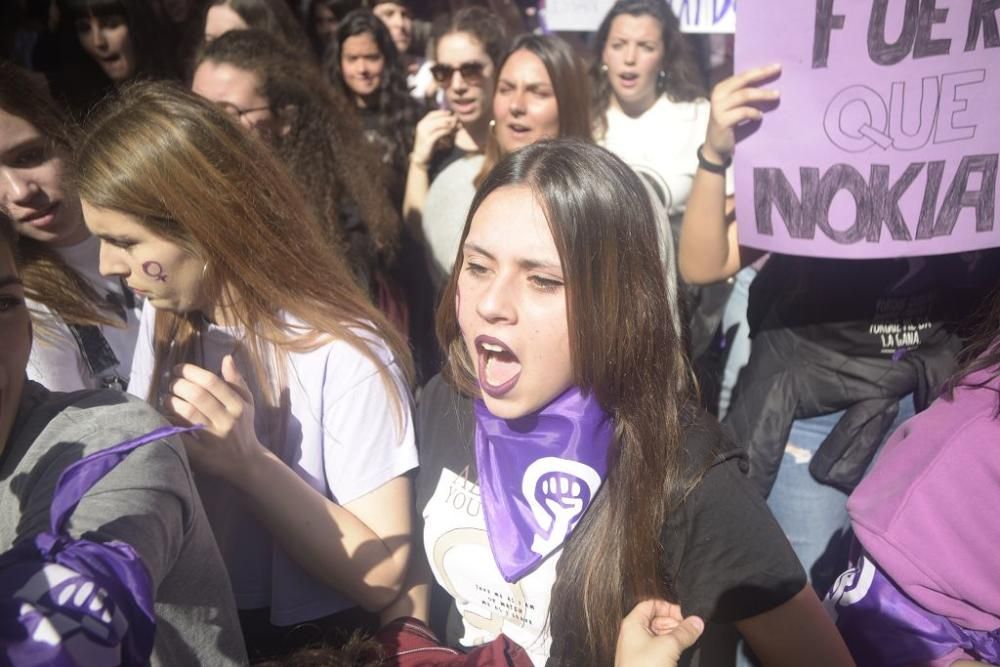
(886, 139)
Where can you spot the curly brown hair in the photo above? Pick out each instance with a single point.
(321, 143)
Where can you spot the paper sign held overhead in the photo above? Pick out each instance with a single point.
(886, 140)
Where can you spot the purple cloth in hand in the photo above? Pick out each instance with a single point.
(68, 602)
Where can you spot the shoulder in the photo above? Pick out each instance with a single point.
(706, 444)
(923, 464)
(339, 365)
(460, 172)
(60, 428)
(50, 414)
(445, 426)
(724, 553)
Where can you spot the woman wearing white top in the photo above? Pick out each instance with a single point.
(84, 325)
(255, 328)
(649, 102)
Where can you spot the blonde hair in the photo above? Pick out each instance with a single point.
(190, 174)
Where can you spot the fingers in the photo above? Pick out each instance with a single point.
(213, 396)
(746, 78)
(688, 631)
(232, 375)
(438, 121)
(184, 413)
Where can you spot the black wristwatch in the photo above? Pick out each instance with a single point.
(713, 167)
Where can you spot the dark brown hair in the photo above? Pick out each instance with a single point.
(47, 278)
(569, 84)
(190, 174)
(981, 351)
(398, 113)
(482, 24)
(682, 82)
(271, 16)
(324, 147)
(625, 350)
(151, 42)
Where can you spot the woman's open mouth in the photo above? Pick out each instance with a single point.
(628, 79)
(499, 368)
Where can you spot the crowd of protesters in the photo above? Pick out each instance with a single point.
(362, 332)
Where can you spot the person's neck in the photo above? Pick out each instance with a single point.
(634, 109)
(220, 311)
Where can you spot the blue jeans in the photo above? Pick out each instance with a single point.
(735, 314)
(813, 515)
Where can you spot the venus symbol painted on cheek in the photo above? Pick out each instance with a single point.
(155, 271)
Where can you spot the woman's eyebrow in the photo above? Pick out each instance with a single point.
(9, 279)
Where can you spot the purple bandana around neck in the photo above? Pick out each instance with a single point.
(537, 476)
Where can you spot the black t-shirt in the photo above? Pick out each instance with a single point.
(871, 308)
(727, 558)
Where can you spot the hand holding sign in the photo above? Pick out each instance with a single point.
(887, 142)
(733, 102)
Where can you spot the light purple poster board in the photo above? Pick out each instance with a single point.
(886, 138)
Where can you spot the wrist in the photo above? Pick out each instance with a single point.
(257, 469)
(710, 160)
(419, 162)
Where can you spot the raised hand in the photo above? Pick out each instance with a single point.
(733, 102)
(224, 405)
(431, 129)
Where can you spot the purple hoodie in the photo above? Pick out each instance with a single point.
(929, 511)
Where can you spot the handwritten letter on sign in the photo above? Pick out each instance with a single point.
(886, 138)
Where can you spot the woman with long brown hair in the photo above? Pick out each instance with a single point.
(363, 62)
(540, 92)
(566, 471)
(85, 325)
(649, 100)
(255, 328)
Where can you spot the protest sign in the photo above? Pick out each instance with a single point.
(886, 138)
(694, 15)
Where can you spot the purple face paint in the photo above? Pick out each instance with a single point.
(155, 271)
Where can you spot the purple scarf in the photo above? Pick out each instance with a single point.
(537, 476)
(883, 627)
(66, 602)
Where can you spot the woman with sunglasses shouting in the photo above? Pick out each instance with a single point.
(468, 49)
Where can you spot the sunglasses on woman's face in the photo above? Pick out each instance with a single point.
(472, 72)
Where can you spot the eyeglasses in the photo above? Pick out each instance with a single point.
(237, 112)
(472, 72)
